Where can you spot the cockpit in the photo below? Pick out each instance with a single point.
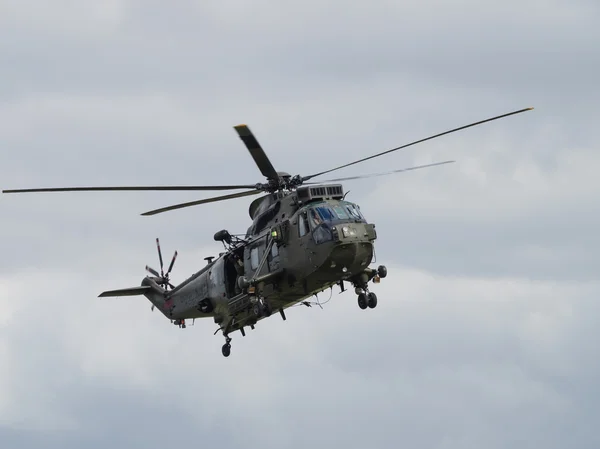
(321, 217)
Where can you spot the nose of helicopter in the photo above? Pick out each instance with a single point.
(353, 248)
(351, 257)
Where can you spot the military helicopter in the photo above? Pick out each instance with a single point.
(305, 237)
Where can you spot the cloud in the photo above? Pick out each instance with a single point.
(515, 216)
(485, 321)
(63, 18)
(437, 355)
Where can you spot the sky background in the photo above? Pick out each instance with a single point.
(486, 331)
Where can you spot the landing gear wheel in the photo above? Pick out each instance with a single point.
(382, 271)
(362, 301)
(257, 310)
(226, 349)
(372, 302)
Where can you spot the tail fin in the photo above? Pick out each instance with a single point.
(149, 288)
(133, 291)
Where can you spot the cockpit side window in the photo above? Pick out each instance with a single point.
(315, 218)
(302, 224)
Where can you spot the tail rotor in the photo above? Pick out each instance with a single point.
(162, 278)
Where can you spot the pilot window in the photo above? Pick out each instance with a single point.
(254, 258)
(326, 213)
(322, 234)
(354, 211)
(302, 225)
(318, 217)
(315, 218)
(340, 212)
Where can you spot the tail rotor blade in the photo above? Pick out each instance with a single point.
(172, 262)
(152, 271)
(160, 258)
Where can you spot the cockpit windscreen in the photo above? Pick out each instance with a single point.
(339, 212)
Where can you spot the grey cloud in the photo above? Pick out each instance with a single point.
(441, 356)
(448, 234)
(447, 360)
(511, 46)
(109, 416)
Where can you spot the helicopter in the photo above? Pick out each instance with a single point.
(305, 237)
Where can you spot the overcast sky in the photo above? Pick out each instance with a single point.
(486, 330)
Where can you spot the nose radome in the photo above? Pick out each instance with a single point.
(353, 255)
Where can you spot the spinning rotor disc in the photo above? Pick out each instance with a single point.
(276, 181)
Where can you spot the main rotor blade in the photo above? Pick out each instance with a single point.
(306, 178)
(372, 175)
(96, 189)
(258, 154)
(204, 201)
